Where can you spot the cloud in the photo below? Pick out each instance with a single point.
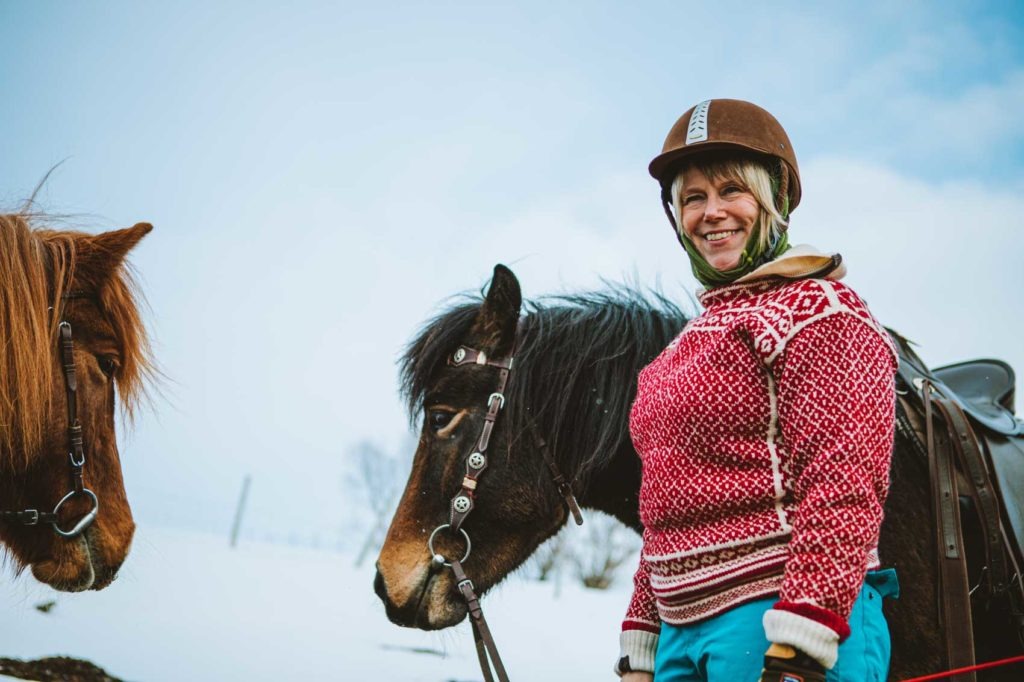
(972, 126)
(939, 261)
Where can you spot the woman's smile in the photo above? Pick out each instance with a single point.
(718, 217)
(717, 238)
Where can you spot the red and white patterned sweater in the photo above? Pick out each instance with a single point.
(765, 430)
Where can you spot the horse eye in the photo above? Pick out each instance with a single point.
(439, 419)
(108, 363)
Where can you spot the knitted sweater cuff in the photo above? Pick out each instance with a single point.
(818, 641)
(636, 652)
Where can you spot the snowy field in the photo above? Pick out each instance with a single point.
(187, 607)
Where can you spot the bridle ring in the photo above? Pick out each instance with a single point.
(430, 543)
(84, 522)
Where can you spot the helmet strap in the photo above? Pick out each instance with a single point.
(782, 190)
(666, 204)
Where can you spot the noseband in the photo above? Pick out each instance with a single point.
(76, 454)
(465, 500)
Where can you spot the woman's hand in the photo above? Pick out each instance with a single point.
(638, 677)
(783, 662)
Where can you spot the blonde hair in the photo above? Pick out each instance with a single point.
(750, 174)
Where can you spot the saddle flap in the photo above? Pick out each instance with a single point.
(984, 389)
(1006, 456)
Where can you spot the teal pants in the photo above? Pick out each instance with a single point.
(730, 647)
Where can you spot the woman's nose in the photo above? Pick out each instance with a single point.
(714, 209)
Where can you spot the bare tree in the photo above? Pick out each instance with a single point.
(378, 477)
(548, 558)
(601, 550)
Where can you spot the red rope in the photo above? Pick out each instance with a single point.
(970, 668)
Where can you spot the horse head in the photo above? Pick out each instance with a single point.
(50, 278)
(565, 407)
(513, 515)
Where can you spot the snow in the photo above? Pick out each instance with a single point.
(188, 607)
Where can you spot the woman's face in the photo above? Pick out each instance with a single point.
(718, 217)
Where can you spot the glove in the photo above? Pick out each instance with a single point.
(783, 663)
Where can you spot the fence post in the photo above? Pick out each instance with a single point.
(237, 526)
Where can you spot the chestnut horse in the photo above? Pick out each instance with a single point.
(573, 381)
(49, 277)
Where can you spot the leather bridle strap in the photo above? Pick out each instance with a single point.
(75, 441)
(76, 452)
(561, 483)
(464, 501)
(486, 649)
(29, 517)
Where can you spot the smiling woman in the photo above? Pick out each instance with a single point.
(761, 511)
(70, 332)
(728, 218)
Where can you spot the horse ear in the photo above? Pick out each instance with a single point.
(499, 315)
(100, 255)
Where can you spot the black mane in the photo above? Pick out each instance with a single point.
(575, 369)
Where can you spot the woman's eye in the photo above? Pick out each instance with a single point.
(438, 419)
(732, 189)
(691, 198)
(108, 363)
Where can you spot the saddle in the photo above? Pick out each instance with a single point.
(960, 418)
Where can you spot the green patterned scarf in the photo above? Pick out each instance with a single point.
(752, 257)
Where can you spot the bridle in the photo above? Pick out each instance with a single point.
(76, 452)
(465, 500)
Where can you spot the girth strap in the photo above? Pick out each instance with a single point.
(954, 590)
(972, 463)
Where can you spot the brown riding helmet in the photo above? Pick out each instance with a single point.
(724, 125)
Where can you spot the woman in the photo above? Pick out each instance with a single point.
(765, 431)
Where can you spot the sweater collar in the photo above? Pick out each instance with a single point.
(800, 262)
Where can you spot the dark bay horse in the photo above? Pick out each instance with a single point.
(49, 278)
(573, 382)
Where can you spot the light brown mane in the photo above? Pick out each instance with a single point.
(37, 271)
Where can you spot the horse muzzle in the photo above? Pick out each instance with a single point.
(422, 598)
(79, 564)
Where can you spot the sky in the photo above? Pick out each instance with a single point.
(322, 177)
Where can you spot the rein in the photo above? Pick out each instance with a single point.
(465, 500)
(76, 454)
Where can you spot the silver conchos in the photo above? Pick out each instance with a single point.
(460, 355)
(461, 504)
(477, 461)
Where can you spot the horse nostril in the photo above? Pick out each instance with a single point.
(379, 588)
